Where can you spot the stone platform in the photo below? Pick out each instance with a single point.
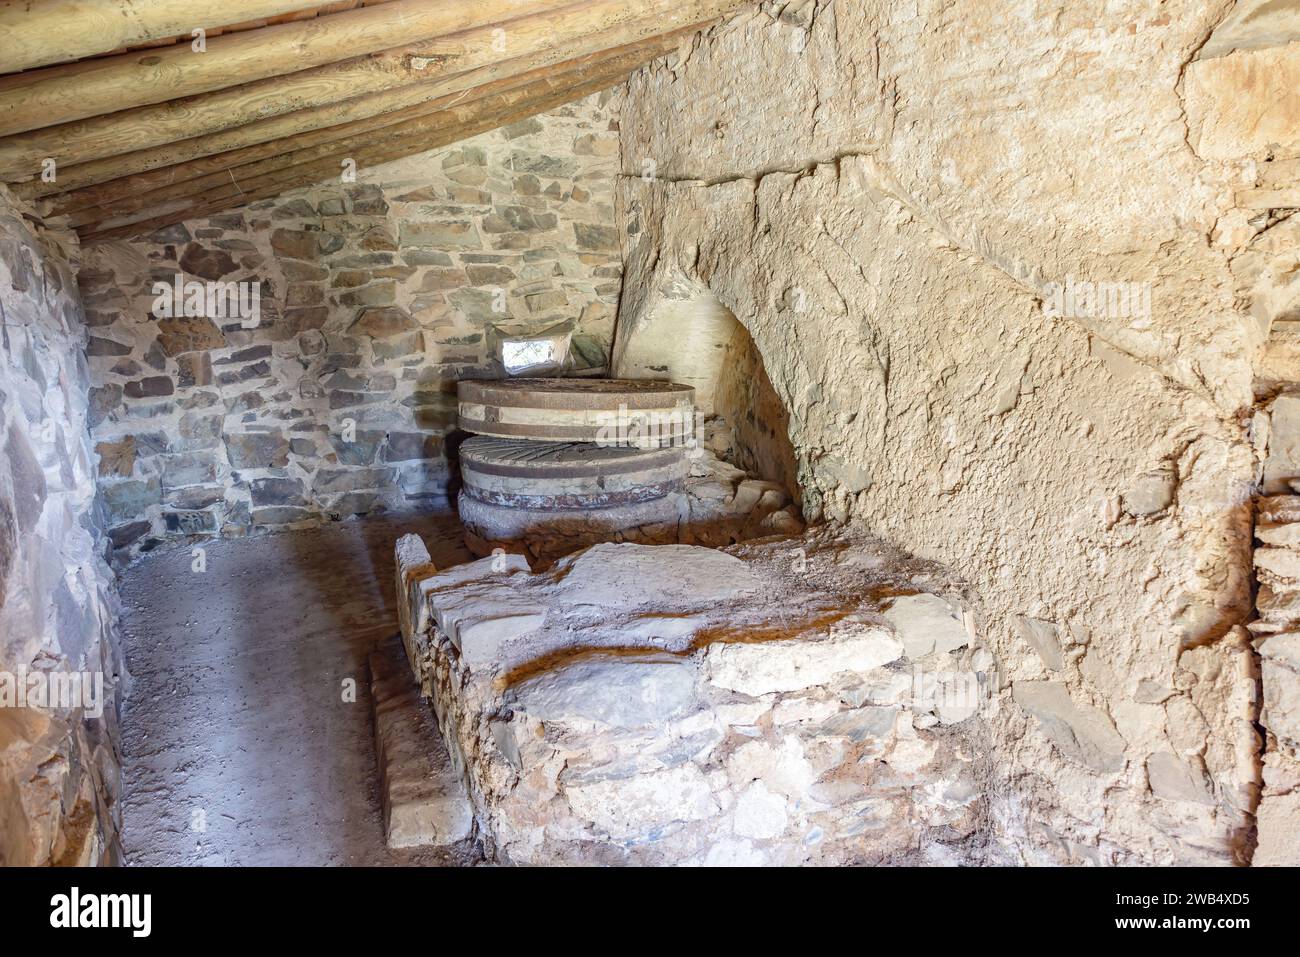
(806, 700)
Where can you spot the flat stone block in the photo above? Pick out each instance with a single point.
(925, 624)
(424, 798)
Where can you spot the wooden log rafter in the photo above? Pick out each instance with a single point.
(61, 31)
(232, 168)
(285, 91)
(102, 180)
(299, 122)
(59, 94)
(462, 123)
(22, 155)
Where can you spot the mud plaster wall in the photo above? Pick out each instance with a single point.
(376, 298)
(882, 193)
(759, 421)
(688, 336)
(59, 766)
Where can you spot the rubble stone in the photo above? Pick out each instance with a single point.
(622, 691)
(1080, 731)
(59, 765)
(925, 624)
(760, 668)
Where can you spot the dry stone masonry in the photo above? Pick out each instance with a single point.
(374, 298)
(421, 788)
(1277, 630)
(59, 661)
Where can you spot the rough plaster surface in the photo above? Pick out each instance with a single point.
(882, 195)
(692, 338)
(376, 298)
(59, 769)
(237, 717)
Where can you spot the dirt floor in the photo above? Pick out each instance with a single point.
(241, 742)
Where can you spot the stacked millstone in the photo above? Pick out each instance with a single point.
(557, 464)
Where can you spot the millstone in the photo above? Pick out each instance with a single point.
(518, 473)
(556, 532)
(627, 412)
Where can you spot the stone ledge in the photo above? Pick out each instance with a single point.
(423, 795)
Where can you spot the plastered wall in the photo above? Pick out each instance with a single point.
(901, 204)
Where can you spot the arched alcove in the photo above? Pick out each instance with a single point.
(690, 336)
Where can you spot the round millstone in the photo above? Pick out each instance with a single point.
(641, 413)
(550, 533)
(518, 473)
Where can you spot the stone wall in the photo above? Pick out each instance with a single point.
(376, 297)
(1277, 564)
(1276, 430)
(890, 199)
(59, 767)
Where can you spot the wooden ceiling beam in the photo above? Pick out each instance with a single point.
(192, 158)
(59, 94)
(457, 124)
(133, 130)
(193, 178)
(60, 31)
(236, 180)
(81, 176)
(108, 148)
